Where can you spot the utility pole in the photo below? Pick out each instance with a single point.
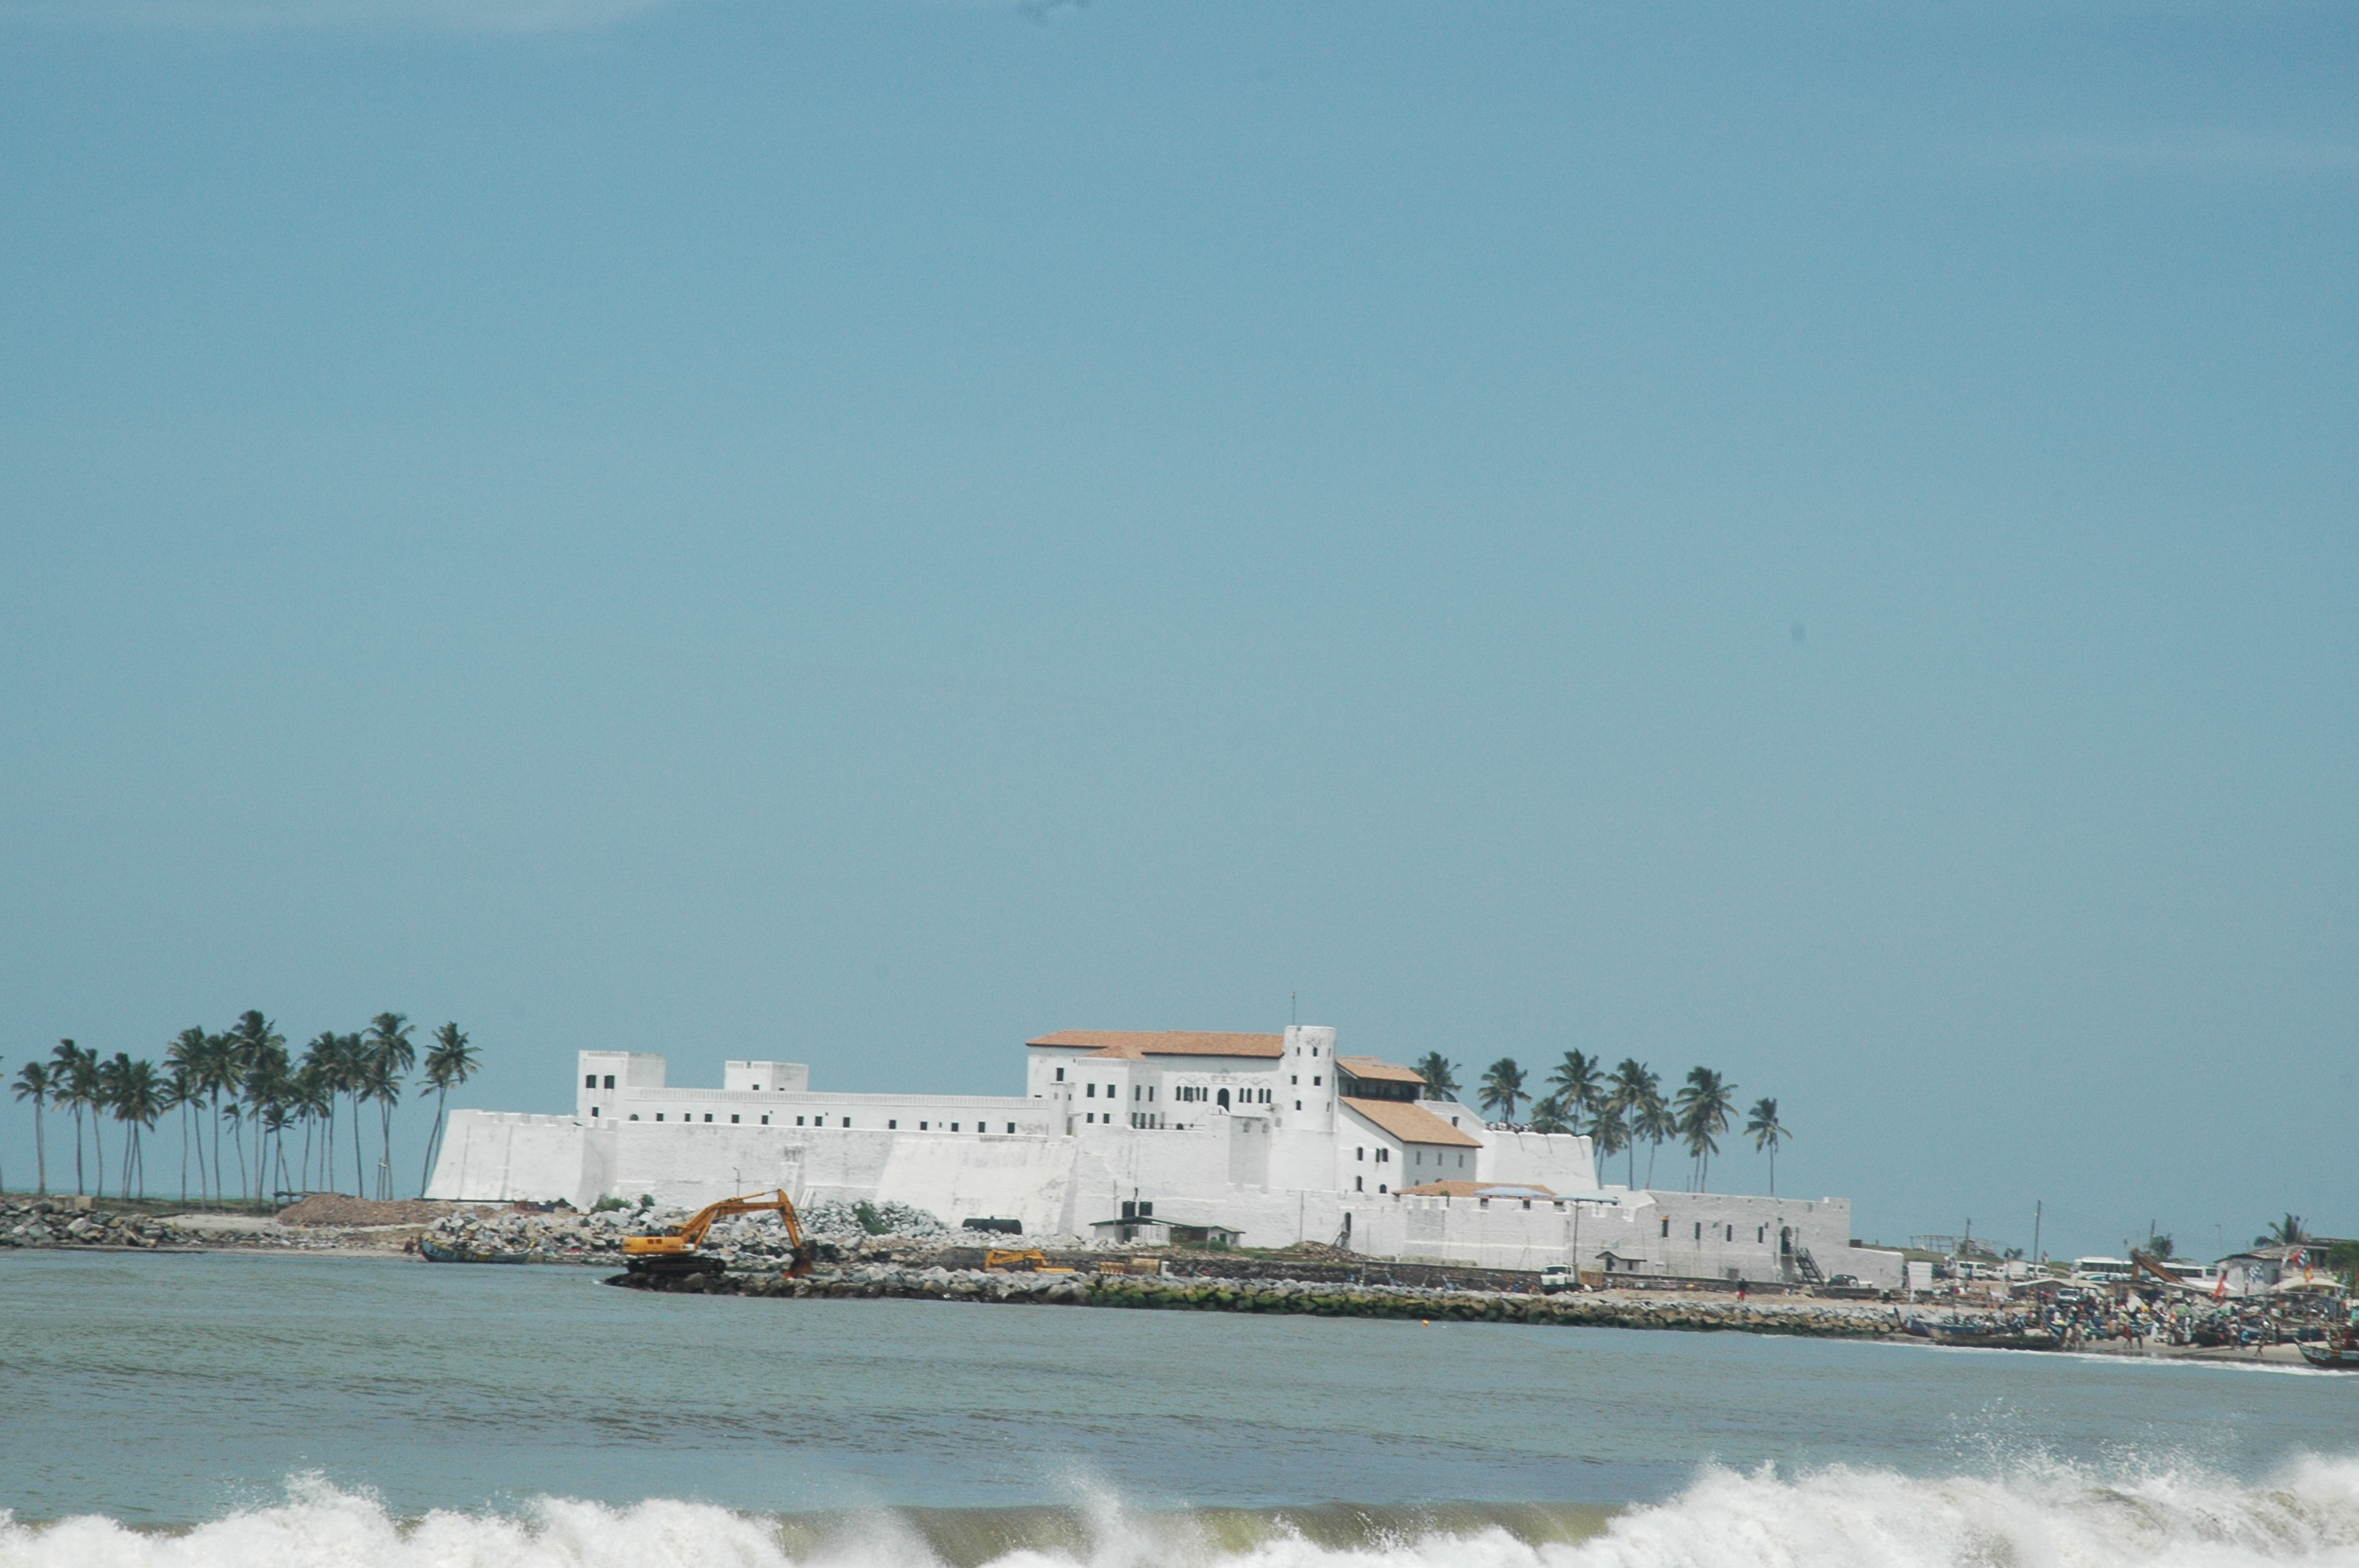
(2038, 1205)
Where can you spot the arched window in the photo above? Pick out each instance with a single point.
(1224, 1098)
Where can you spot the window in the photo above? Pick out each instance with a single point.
(1011, 1127)
(1060, 1075)
(589, 1081)
(847, 1121)
(1150, 1093)
(1092, 1091)
(1359, 1183)
(1295, 1079)
(594, 1113)
(1732, 1233)
(1384, 1156)
(708, 1116)
(734, 1117)
(1298, 1105)
(610, 1080)
(635, 1115)
(954, 1127)
(799, 1122)
(765, 1122)
(1314, 1080)
(1760, 1233)
(1381, 1187)
(1090, 1116)
(1667, 1227)
(892, 1126)
(1359, 1153)
(658, 1116)
(923, 1127)
(1699, 1234)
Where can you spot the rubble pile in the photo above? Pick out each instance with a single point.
(59, 1222)
(47, 1222)
(844, 1222)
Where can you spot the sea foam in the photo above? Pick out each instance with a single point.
(2032, 1517)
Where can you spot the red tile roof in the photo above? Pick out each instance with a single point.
(1376, 1069)
(1134, 1044)
(1411, 1123)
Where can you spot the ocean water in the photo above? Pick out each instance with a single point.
(283, 1412)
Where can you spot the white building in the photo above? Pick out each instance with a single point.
(1273, 1137)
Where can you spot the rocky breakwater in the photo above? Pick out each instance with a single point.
(56, 1222)
(1304, 1298)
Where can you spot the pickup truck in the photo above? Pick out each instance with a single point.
(1558, 1277)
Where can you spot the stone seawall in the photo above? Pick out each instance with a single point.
(1310, 1298)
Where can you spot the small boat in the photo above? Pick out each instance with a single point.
(1998, 1339)
(2333, 1357)
(434, 1251)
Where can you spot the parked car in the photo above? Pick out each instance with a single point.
(1558, 1277)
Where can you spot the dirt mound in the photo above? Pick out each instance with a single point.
(335, 1208)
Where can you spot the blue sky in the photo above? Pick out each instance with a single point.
(1818, 541)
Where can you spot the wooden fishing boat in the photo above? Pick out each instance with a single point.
(1998, 1339)
(2334, 1356)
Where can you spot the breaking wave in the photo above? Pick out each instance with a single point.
(2047, 1516)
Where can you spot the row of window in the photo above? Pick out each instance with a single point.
(891, 1126)
(1728, 1232)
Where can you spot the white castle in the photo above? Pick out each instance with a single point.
(1260, 1140)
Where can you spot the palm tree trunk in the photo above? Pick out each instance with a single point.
(360, 1172)
(40, 1149)
(78, 1175)
(98, 1143)
(433, 1141)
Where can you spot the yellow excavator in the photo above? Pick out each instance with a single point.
(676, 1252)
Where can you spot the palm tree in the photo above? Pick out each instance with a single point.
(351, 1081)
(184, 1058)
(1767, 1132)
(1441, 1076)
(1502, 1088)
(216, 1075)
(1575, 1083)
(1633, 1088)
(322, 1075)
(1704, 1107)
(390, 1055)
(2286, 1232)
(75, 1083)
(1609, 1132)
(269, 1083)
(253, 1042)
(314, 1092)
(1548, 1116)
(138, 1100)
(179, 1092)
(35, 1082)
(452, 1062)
(1655, 1122)
(108, 1095)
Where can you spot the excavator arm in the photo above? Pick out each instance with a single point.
(678, 1251)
